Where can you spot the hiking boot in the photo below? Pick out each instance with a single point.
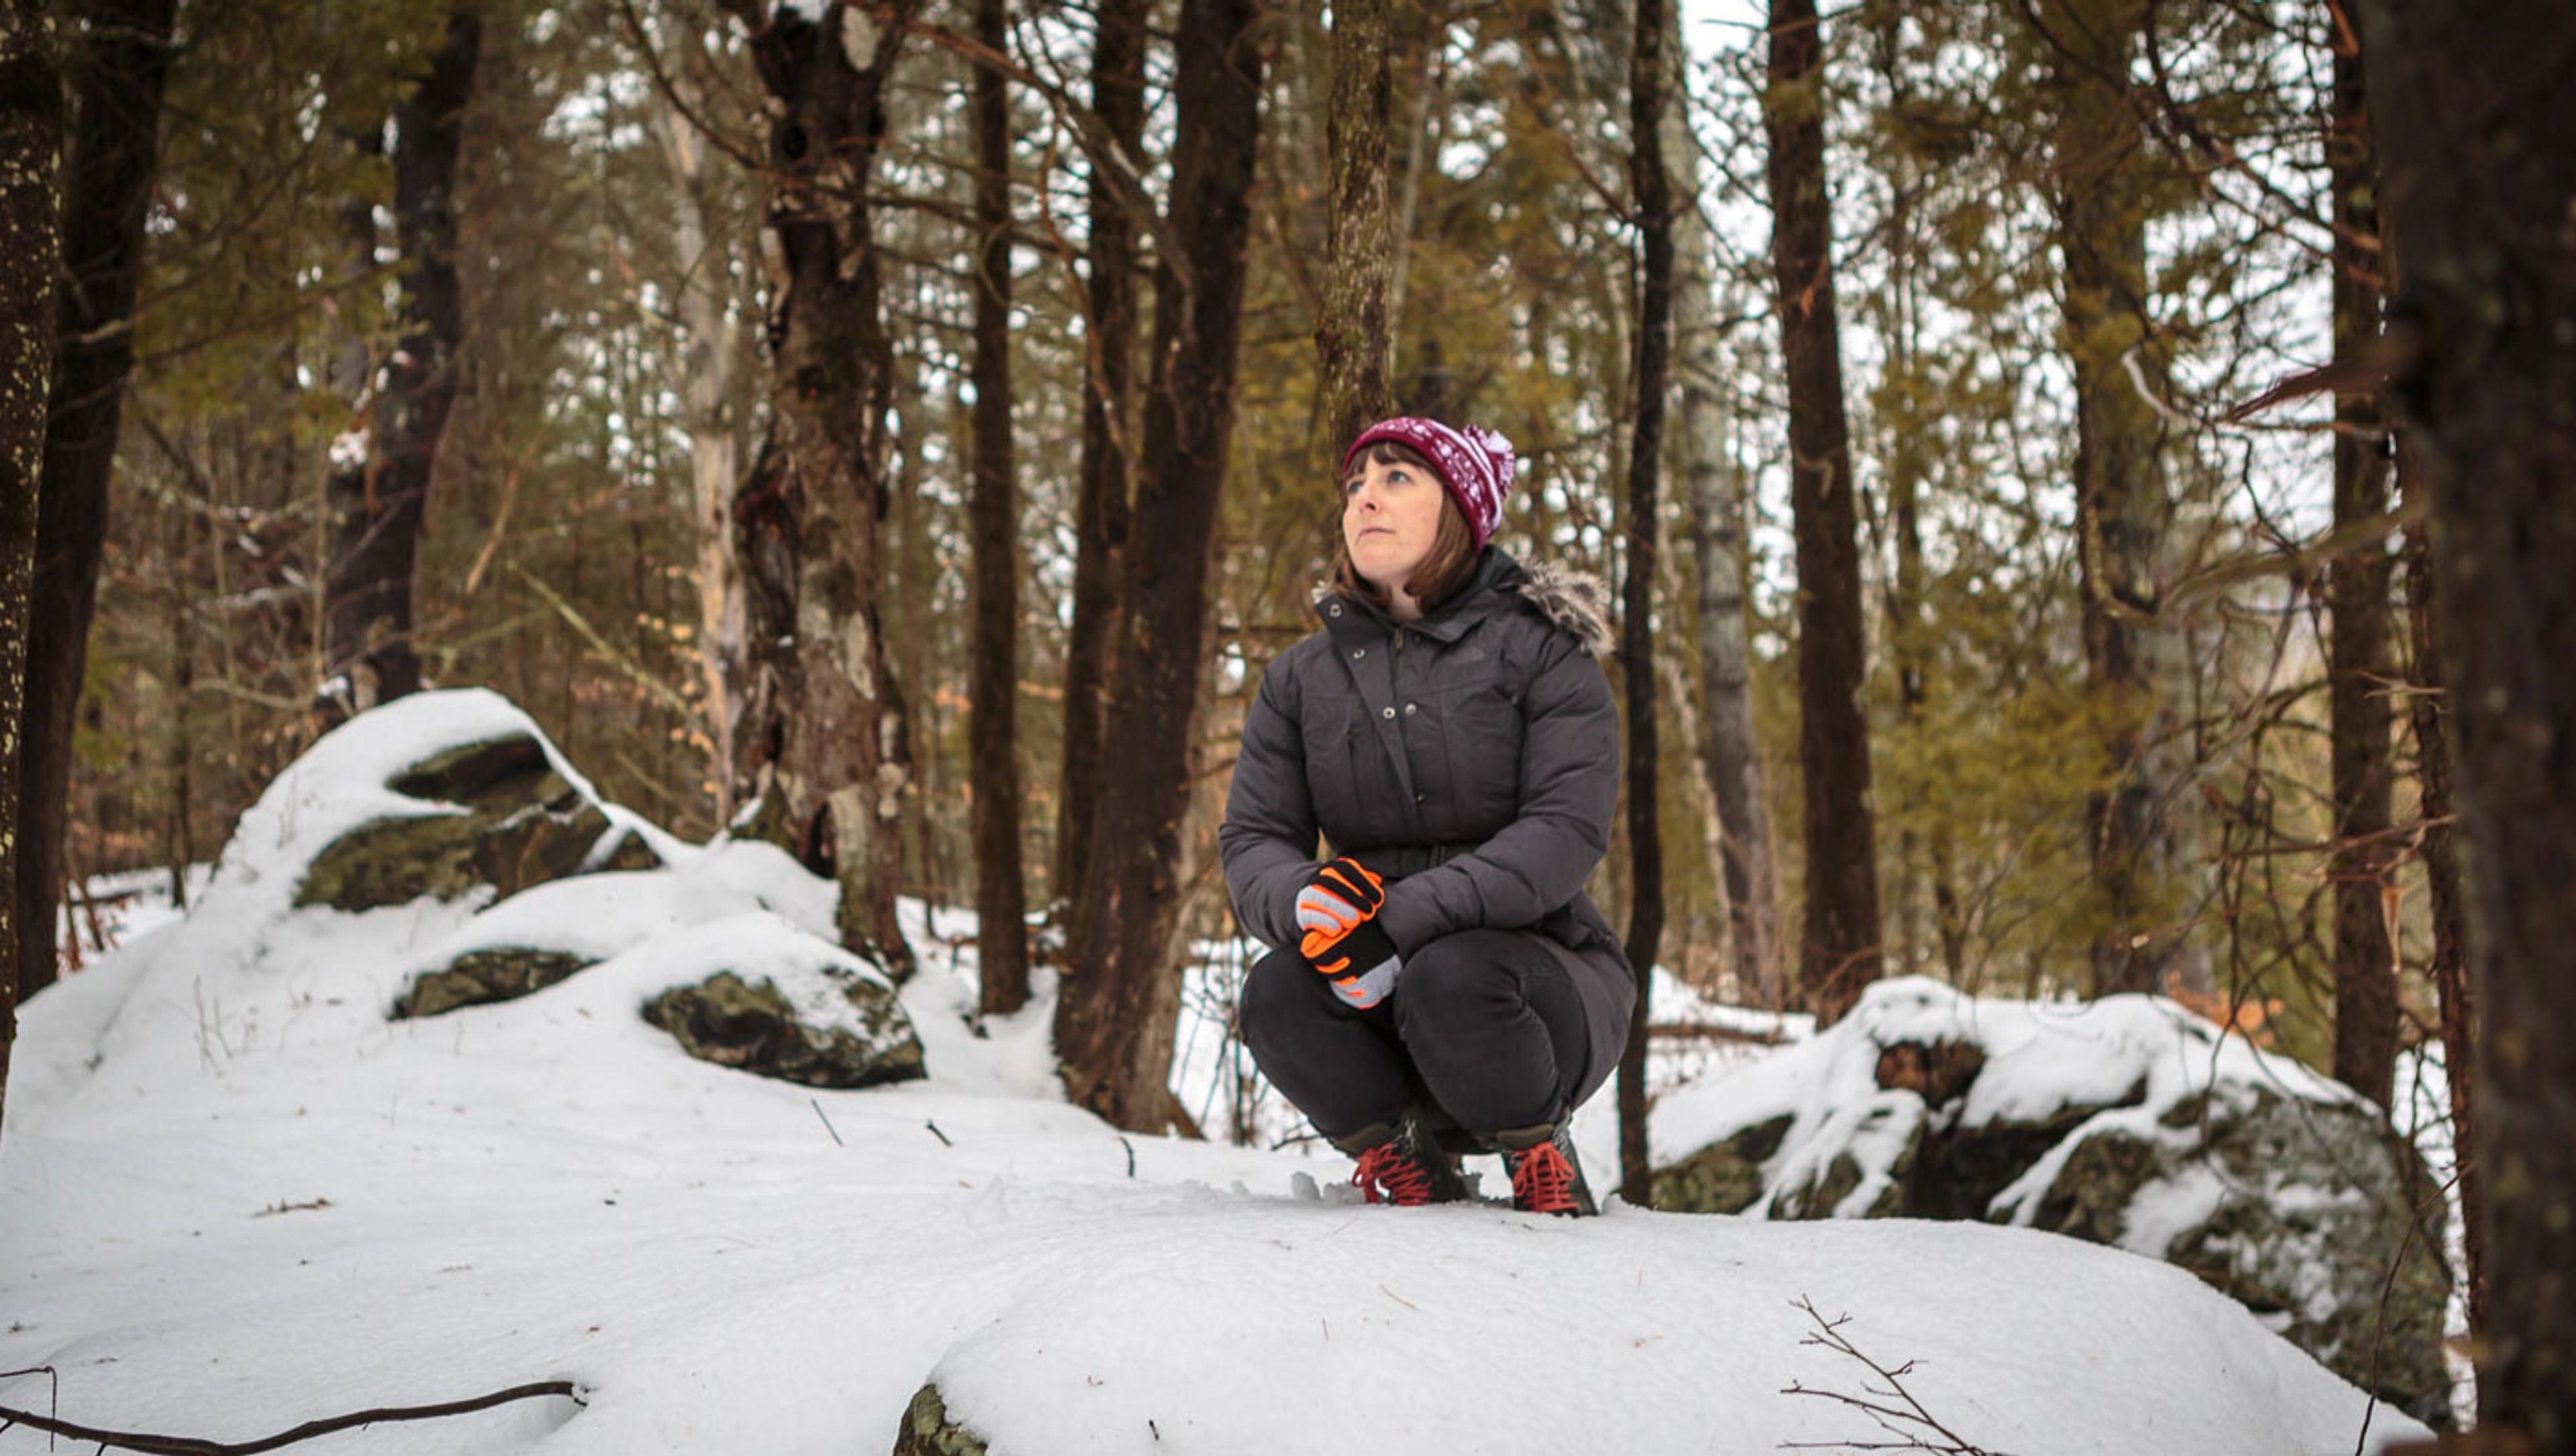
(1546, 1176)
(1400, 1165)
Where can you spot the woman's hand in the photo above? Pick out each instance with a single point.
(1341, 939)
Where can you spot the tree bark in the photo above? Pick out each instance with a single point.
(31, 135)
(993, 678)
(1649, 79)
(824, 742)
(1729, 750)
(2365, 959)
(1353, 348)
(2477, 150)
(1101, 494)
(715, 458)
(118, 71)
(377, 512)
(1840, 953)
(1115, 1014)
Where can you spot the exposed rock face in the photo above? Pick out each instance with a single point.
(516, 823)
(477, 977)
(801, 1037)
(2255, 1176)
(927, 1430)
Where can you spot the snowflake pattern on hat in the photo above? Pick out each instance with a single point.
(1476, 464)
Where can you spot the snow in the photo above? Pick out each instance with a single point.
(2041, 1058)
(236, 1197)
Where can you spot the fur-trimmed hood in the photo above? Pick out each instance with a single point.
(1573, 599)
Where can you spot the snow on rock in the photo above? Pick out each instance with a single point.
(238, 1196)
(2125, 1121)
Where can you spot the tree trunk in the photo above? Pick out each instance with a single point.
(1101, 495)
(1114, 1018)
(993, 678)
(715, 457)
(31, 135)
(2100, 197)
(118, 70)
(2477, 150)
(1840, 954)
(823, 738)
(2440, 848)
(2365, 959)
(1730, 754)
(1353, 350)
(377, 512)
(1650, 78)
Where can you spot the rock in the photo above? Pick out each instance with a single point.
(517, 823)
(927, 1430)
(804, 1038)
(1725, 1176)
(2126, 1122)
(478, 977)
(2303, 1208)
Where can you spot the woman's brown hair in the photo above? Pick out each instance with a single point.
(1452, 559)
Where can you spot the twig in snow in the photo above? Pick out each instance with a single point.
(1131, 1156)
(1889, 1404)
(817, 1104)
(197, 1446)
(282, 1206)
(935, 1132)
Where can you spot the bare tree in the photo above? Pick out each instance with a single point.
(31, 135)
(378, 503)
(1649, 83)
(1840, 953)
(1101, 495)
(2365, 958)
(993, 675)
(119, 66)
(2477, 154)
(709, 411)
(1729, 752)
(1115, 1015)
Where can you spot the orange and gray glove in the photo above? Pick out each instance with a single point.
(1341, 939)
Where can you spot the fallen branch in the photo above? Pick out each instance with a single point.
(194, 1446)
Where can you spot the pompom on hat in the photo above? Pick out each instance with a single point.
(1476, 464)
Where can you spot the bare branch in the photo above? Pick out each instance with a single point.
(197, 1446)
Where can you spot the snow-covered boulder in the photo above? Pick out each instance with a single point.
(461, 800)
(2126, 1121)
(822, 1018)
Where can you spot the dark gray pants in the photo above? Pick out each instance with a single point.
(1485, 1026)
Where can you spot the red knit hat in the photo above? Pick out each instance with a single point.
(1475, 464)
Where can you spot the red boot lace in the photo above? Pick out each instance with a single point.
(1389, 1174)
(1543, 1181)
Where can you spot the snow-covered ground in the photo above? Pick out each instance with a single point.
(235, 1197)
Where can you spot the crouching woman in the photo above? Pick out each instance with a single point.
(1440, 983)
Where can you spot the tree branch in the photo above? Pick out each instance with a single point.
(197, 1446)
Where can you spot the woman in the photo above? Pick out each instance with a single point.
(1441, 982)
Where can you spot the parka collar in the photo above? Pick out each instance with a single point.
(1487, 590)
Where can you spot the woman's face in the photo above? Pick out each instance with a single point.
(1390, 519)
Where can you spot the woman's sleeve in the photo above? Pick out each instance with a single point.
(1569, 774)
(1268, 838)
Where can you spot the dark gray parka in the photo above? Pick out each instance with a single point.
(1471, 758)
